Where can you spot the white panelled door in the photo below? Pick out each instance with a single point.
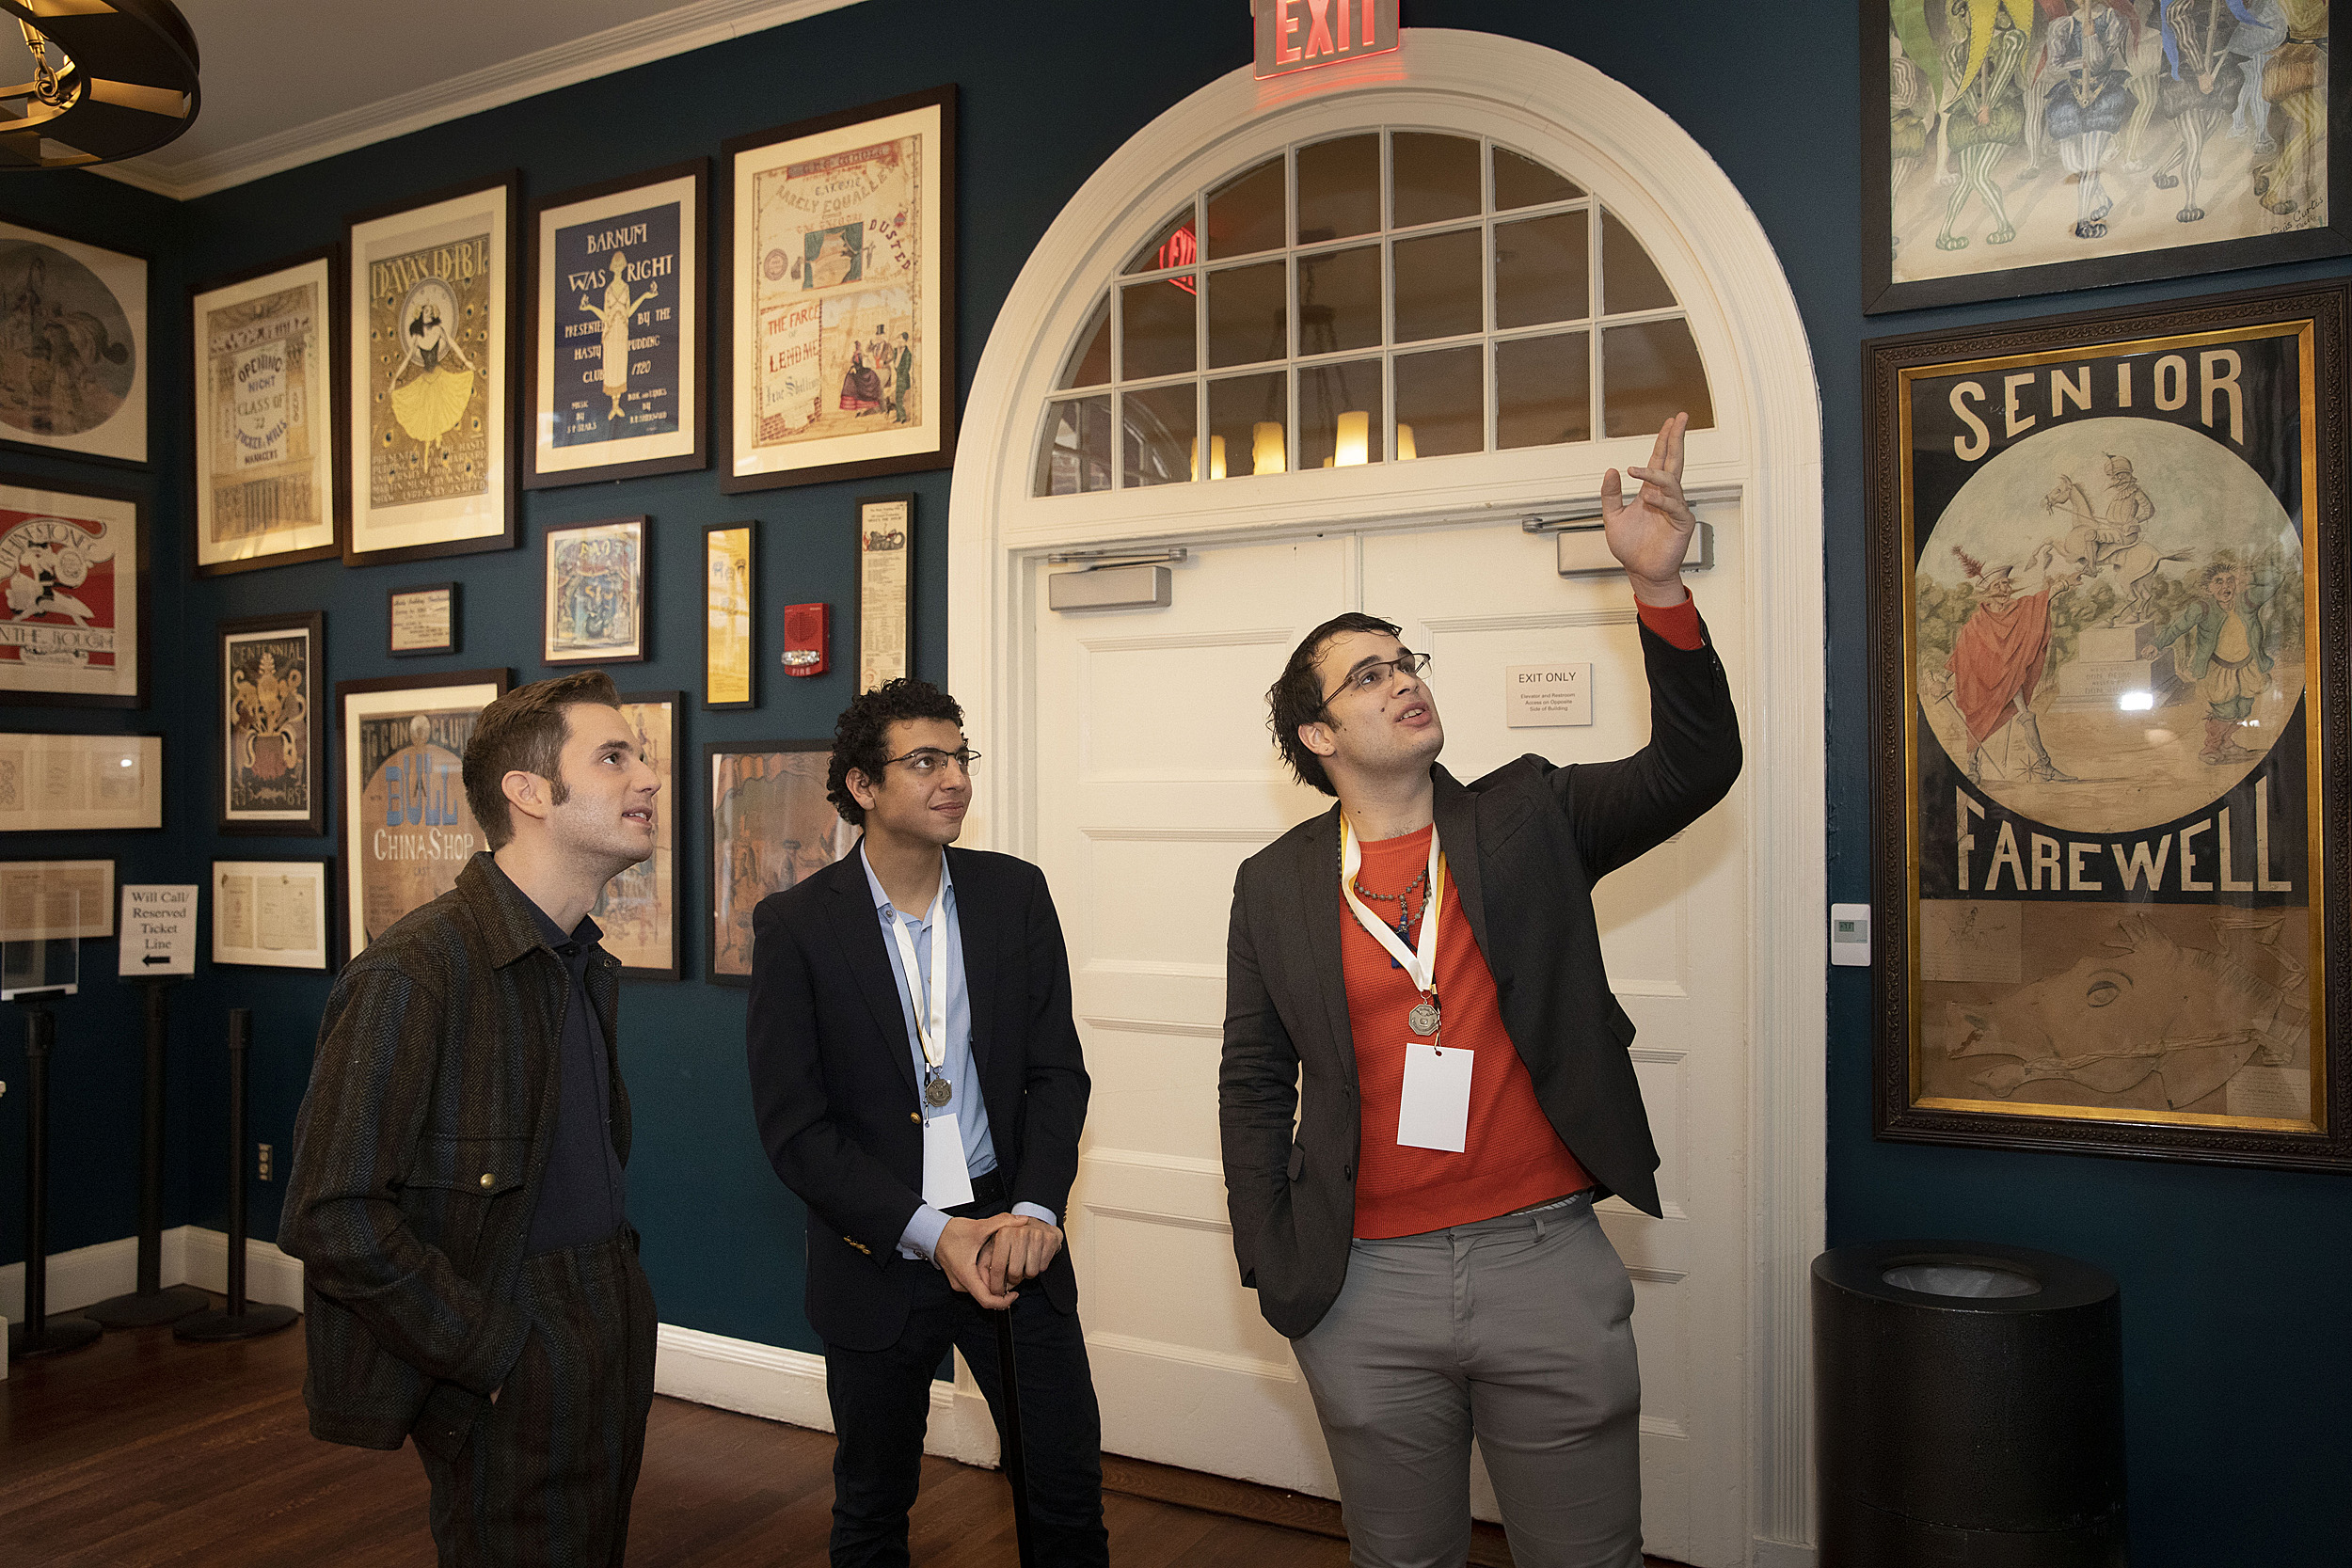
(1157, 777)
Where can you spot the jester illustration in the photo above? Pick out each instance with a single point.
(1983, 112)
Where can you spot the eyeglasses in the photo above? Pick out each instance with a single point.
(925, 761)
(1372, 677)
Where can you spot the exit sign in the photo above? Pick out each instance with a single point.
(1299, 34)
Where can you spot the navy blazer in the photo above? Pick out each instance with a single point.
(832, 1075)
(1524, 846)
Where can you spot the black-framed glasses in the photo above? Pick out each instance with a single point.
(926, 761)
(1372, 677)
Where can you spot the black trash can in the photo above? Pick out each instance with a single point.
(1969, 1408)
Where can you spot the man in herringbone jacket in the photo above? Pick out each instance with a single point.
(457, 1196)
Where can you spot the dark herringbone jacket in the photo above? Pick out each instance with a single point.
(417, 1162)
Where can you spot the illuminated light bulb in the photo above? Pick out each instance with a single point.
(1216, 457)
(1266, 454)
(1355, 442)
(2136, 702)
(1404, 452)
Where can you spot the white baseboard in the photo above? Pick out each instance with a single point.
(1780, 1554)
(192, 1255)
(789, 1386)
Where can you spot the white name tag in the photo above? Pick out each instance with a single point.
(1435, 1111)
(947, 1184)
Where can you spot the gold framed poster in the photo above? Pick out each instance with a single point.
(839, 320)
(408, 828)
(434, 328)
(268, 414)
(2108, 584)
(730, 618)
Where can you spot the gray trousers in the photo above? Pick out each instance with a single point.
(1517, 1330)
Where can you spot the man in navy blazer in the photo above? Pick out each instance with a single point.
(920, 1084)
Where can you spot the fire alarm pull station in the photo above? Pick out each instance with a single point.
(807, 632)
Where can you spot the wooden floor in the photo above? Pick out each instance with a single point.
(143, 1452)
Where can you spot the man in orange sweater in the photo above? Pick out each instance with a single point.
(1425, 1081)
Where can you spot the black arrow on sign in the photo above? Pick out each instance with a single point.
(156, 959)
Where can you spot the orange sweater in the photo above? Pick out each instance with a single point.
(1512, 1157)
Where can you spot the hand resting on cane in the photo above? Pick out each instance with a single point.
(1018, 1251)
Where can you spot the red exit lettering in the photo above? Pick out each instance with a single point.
(1299, 34)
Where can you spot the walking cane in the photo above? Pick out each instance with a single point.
(1016, 1465)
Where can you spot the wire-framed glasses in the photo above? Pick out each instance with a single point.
(925, 762)
(1372, 677)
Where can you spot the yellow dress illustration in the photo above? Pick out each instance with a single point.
(429, 403)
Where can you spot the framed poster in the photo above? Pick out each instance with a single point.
(616, 379)
(57, 898)
(770, 825)
(840, 328)
(73, 612)
(593, 593)
(274, 914)
(434, 328)
(272, 743)
(407, 830)
(73, 347)
(267, 417)
(2108, 589)
(730, 618)
(2034, 149)
(638, 909)
(52, 784)
(421, 620)
(885, 589)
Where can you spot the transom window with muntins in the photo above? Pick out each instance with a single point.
(1384, 296)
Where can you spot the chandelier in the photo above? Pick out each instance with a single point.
(111, 79)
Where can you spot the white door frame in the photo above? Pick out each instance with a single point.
(1712, 249)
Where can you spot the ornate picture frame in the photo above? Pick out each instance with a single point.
(2110, 882)
(770, 826)
(592, 585)
(273, 737)
(838, 314)
(274, 914)
(74, 617)
(639, 908)
(408, 828)
(86, 394)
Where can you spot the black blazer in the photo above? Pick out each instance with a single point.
(1524, 846)
(832, 1075)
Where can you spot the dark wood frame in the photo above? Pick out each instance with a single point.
(722, 385)
(163, 789)
(504, 420)
(546, 607)
(142, 656)
(670, 802)
(752, 589)
(1881, 292)
(2328, 736)
(499, 677)
(313, 624)
(144, 349)
(390, 595)
(114, 884)
(334, 337)
(331, 878)
(712, 751)
(906, 610)
(691, 329)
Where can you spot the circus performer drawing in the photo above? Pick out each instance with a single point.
(429, 402)
(2222, 642)
(1997, 660)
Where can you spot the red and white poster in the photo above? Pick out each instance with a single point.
(68, 597)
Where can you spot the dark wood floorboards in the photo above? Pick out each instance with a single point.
(143, 1452)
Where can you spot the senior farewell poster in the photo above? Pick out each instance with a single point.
(2112, 737)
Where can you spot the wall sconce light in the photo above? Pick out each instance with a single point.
(111, 79)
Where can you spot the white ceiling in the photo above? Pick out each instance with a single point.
(288, 81)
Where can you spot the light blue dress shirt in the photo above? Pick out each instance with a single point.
(921, 1237)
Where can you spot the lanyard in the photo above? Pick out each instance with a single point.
(1419, 967)
(931, 1033)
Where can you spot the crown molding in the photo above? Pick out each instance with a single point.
(691, 27)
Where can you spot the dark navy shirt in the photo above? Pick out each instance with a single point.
(583, 1196)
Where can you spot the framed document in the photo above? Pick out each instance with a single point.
(273, 744)
(840, 325)
(434, 328)
(81, 782)
(593, 593)
(268, 417)
(616, 379)
(730, 618)
(638, 909)
(35, 897)
(2108, 587)
(274, 914)
(422, 620)
(73, 351)
(885, 589)
(408, 828)
(770, 825)
(73, 617)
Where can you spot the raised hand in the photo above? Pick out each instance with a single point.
(1650, 535)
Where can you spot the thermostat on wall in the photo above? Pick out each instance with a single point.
(1850, 934)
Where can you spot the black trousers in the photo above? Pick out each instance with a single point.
(882, 1403)
(546, 1476)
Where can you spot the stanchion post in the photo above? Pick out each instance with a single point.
(152, 1303)
(241, 1321)
(39, 1334)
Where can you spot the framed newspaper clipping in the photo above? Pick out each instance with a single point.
(838, 314)
(885, 589)
(2109, 596)
(268, 417)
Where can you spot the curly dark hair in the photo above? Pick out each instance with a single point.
(859, 734)
(1296, 698)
